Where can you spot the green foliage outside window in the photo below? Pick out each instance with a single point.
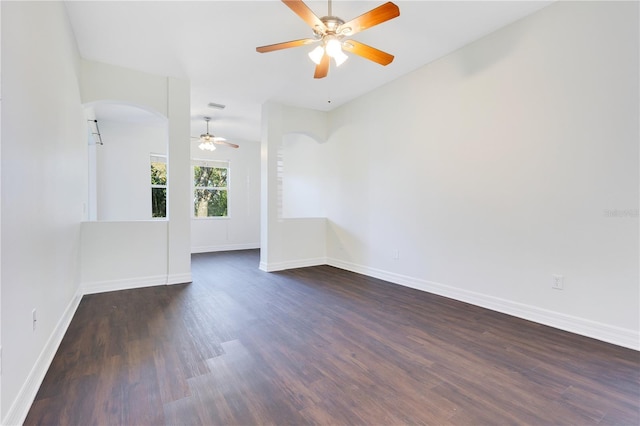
(210, 195)
(158, 189)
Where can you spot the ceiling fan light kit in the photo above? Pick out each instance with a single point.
(208, 141)
(206, 145)
(330, 32)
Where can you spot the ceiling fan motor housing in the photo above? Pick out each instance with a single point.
(333, 26)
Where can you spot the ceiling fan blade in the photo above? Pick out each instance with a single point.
(224, 142)
(373, 17)
(367, 52)
(307, 15)
(322, 69)
(285, 45)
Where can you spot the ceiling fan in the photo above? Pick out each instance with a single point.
(331, 31)
(208, 141)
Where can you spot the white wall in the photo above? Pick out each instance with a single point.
(287, 242)
(0, 220)
(303, 167)
(241, 230)
(109, 247)
(45, 191)
(179, 226)
(484, 173)
(44, 187)
(164, 96)
(123, 162)
(105, 82)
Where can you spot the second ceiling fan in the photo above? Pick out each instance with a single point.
(331, 31)
(208, 141)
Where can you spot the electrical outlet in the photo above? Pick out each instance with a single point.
(558, 282)
(35, 318)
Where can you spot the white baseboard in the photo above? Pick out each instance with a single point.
(227, 247)
(619, 336)
(607, 333)
(179, 278)
(292, 264)
(125, 284)
(22, 404)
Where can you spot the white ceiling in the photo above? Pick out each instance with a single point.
(212, 43)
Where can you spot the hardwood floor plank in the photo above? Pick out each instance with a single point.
(319, 345)
(182, 412)
(142, 392)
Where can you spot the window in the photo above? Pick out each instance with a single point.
(210, 188)
(158, 186)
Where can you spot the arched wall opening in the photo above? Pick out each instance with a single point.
(161, 247)
(128, 162)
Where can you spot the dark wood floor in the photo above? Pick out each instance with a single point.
(322, 346)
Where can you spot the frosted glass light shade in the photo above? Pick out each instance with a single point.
(207, 146)
(317, 54)
(333, 47)
(340, 57)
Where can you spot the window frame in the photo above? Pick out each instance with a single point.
(218, 164)
(153, 158)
